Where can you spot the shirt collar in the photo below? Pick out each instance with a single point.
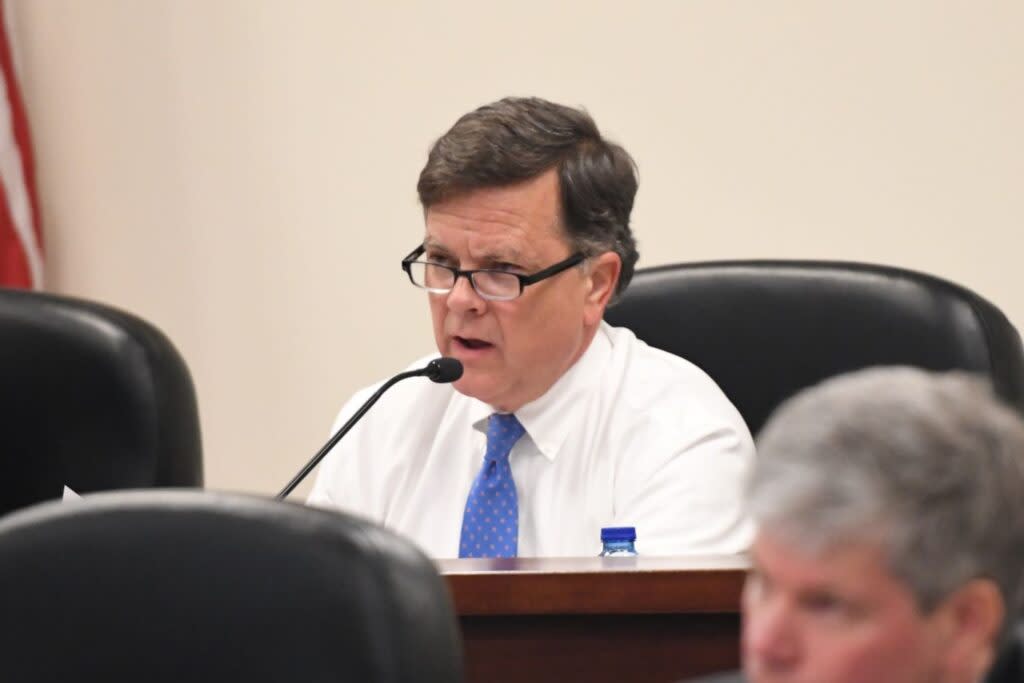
(549, 418)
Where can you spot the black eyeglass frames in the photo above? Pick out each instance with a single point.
(490, 284)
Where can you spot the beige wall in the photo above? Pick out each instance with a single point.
(241, 172)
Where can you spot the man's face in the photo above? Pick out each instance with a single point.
(835, 617)
(511, 351)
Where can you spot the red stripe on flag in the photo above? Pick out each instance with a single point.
(20, 234)
(14, 270)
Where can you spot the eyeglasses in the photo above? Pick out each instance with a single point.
(493, 285)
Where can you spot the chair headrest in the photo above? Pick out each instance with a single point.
(92, 397)
(766, 329)
(184, 585)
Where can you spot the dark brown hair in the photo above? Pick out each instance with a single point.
(516, 139)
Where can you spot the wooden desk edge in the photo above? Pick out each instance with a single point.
(583, 586)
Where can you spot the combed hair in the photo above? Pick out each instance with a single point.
(929, 465)
(516, 139)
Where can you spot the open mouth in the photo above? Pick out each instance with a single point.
(472, 344)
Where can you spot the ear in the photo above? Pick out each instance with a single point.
(972, 616)
(602, 276)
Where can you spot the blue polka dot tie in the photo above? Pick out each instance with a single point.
(490, 524)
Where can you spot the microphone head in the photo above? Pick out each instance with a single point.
(444, 370)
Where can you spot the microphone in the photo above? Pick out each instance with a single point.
(443, 370)
(440, 370)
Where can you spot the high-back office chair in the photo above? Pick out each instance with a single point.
(766, 329)
(92, 398)
(172, 586)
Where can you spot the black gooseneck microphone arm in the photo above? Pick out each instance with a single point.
(441, 370)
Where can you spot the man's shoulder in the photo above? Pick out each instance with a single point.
(654, 380)
(646, 363)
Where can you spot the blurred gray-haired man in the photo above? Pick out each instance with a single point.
(890, 542)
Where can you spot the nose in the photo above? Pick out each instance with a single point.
(771, 637)
(464, 299)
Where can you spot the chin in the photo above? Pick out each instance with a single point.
(476, 387)
(469, 385)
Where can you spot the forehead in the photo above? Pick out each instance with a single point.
(857, 566)
(522, 219)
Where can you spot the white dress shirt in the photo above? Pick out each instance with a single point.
(628, 436)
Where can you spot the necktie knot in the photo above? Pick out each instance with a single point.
(503, 430)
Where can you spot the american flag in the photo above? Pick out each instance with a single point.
(21, 245)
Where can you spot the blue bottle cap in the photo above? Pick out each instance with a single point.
(618, 533)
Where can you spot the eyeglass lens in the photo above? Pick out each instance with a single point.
(440, 279)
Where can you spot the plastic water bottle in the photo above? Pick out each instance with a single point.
(618, 541)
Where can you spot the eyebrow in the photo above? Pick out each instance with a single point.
(431, 245)
(506, 255)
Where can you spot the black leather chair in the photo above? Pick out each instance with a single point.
(172, 586)
(90, 397)
(766, 329)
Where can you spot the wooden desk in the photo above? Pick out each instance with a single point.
(640, 619)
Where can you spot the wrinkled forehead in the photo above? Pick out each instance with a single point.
(519, 215)
(496, 238)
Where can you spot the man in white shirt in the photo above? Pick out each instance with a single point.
(560, 424)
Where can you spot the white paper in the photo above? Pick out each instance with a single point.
(70, 495)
